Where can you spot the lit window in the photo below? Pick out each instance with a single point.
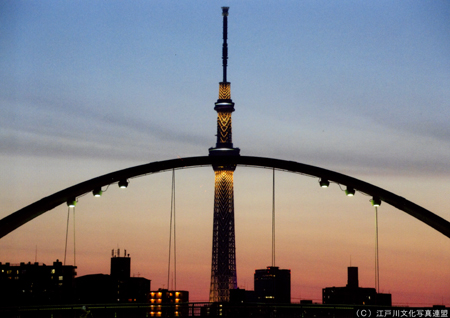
(60, 278)
(53, 271)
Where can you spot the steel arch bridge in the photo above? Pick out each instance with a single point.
(26, 214)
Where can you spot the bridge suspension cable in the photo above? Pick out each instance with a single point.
(67, 235)
(74, 241)
(172, 232)
(377, 260)
(273, 217)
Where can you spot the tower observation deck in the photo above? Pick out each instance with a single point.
(223, 265)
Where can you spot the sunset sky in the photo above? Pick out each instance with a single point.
(357, 87)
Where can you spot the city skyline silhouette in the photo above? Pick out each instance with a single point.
(62, 131)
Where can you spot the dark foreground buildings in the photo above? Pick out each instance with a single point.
(352, 294)
(39, 284)
(119, 286)
(169, 303)
(36, 284)
(273, 285)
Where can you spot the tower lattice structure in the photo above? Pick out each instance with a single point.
(223, 265)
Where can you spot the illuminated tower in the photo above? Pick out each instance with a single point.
(223, 266)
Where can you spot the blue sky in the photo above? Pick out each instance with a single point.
(321, 70)
(89, 87)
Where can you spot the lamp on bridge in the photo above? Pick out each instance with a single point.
(97, 192)
(71, 203)
(324, 183)
(350, 191)
(123, 184)
(375, 201)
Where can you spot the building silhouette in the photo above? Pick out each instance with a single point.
(120, 266)
(36, 284)
(242, 296)
(223, 264)
(352, 294)
(273, 285)
(119, 286)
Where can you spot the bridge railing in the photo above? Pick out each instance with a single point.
(197, 309)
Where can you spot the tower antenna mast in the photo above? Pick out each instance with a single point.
(225, 45)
